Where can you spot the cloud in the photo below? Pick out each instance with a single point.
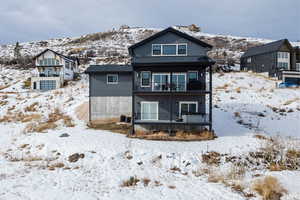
(41, 19)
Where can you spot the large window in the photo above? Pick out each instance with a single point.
(188, 107)
(179, 81)
(112, 78)
(48, 62)
(47, 85)
(149, 110)
(145, 79)
(160, 81)
(169, 49)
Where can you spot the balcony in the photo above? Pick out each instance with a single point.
(193, 87)
(183, 119)
(45, 75)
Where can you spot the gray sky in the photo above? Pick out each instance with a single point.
(30, 20)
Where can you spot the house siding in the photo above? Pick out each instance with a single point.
(100, 88)
(193, 49)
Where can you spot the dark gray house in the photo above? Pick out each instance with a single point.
(274, 58)
(167, 87)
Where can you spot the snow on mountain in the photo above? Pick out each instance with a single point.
(114, 43)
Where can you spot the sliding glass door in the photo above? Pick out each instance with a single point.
(179, 81)
(161, 81)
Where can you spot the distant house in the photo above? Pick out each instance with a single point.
(277, 58)
(52, 69)
(167, 87)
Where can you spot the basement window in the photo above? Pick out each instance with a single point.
(112, 78)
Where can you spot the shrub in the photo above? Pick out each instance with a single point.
(132, 181)
(211, 158)
(269, 188)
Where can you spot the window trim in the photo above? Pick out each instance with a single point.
(112, 83)
(169, 78)
(187, 102)
(149, 79)
(161, 49)
(193, 71)
(185, 78)
(157, 109)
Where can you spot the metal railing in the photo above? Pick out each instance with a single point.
(175, 118)
(174, 87)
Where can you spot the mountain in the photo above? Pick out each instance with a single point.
(111, 46)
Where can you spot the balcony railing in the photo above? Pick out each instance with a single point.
(192, 86)
(184, 118)
(45, 75)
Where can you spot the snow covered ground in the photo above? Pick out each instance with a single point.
(36, 165)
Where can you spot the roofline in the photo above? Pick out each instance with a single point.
(170, 29)
(258, 46)
(59, 54)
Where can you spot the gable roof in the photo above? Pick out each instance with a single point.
(61, 55)
(169, 30)
(108, 68)
(266, 48)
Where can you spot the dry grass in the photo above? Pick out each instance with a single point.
(269, 188)
(224, 87)
(110, 126)
(132, 181)
(211, 158)
(291, 101)
(32, 107)
(180, 136)
(3, 103)
(39, 127)
(20, 117)
(146, 181)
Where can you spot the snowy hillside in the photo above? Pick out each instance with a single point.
(114, 43)
(47, 151)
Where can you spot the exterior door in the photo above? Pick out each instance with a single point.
(47, 85)
(179, 82)
(161, 81)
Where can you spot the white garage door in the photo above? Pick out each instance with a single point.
(47, 85)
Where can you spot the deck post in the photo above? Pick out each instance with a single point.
(171, 103)
(210, 98)
(133, 102)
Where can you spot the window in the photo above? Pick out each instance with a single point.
(188, 108)
(283, 55)
(149, 110)
(179, 82)
(145, 79)
(156, 49)
(161, 82)
(193, 76)
(283, 65)
(112, 78)
(297, 66)
(182, 49)
(169, 49)
(47, 85)
(48, 62)
(249, 60)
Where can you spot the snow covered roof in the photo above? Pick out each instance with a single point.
(108, 68)
(266, 48)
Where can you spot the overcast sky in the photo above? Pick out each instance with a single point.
(30, 20)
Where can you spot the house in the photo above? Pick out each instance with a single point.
(167, 87)
(52, 70)
(274, 58)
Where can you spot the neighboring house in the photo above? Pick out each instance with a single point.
(274, 58)
(52, 69)
(166, 88)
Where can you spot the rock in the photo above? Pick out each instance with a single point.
(74, 157)
(140, 163)
(64, 135)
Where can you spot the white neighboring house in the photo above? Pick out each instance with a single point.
(52, 69)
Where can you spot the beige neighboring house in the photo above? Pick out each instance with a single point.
(52, 69)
